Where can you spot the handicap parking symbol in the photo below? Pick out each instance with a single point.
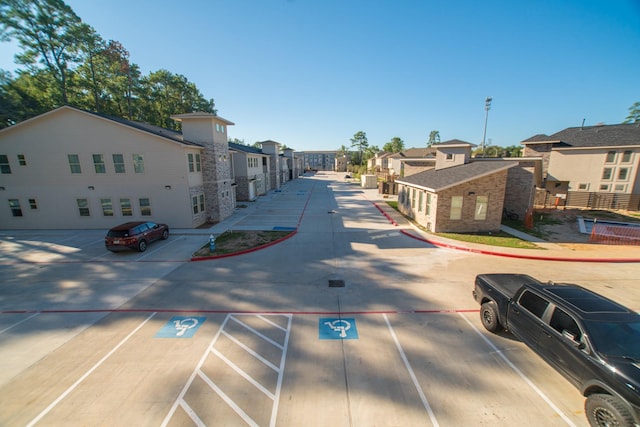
(337, 329)
(180, 327)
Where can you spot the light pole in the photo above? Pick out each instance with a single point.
(487, 107)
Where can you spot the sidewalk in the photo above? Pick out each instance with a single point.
(548, 251)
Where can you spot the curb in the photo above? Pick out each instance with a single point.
(246, 251)
(506, 254)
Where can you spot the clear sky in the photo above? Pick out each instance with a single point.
(311, 73)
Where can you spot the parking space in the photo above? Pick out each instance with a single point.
(88, 337)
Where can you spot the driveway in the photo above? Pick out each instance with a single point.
(350, 322)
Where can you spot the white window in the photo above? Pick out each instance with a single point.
(606, 174)
(583, 186)
(611, 157)
(623, 174)
(456, 207)
(482, 202)
(107, 207)
(74, 163)
(98, 163)
(118, 163)
(138, 163)
(83, 207)
(145, 207)
(626, 156)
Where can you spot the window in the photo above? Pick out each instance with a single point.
(623, 174)
(449, 156)
(606, 174)
(194, 203)
(604, 187)
(138, 163)
(98, 163)
(118, 163)
(626, 156)
(583, 186)
(428, 210)
(619, 187)
(22, 161)
(201, 198)
(107, 207)
(198, 163)
(191, 162)
(420, 198)
(33, 204)
(413, 198)
(74, 163)
(533, 303)
(456, 207)
(145, 207)
(125, 207)
(563, 323)
(611, 157)
(83, 207)
(482, 203)
(5, 167)
(14, 205)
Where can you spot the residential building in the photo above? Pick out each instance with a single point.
(462, 194)
(74, 169)
(318, 160)
(589, 166)
(250, 170)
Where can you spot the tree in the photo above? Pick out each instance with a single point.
(47, 31)
(634, 114)
(434, 138)
(360, 142)
(396, 145)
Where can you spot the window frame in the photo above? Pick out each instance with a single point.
(74, 166)
(480, 214)
(118, 166)
(100, 166)
(455, 211)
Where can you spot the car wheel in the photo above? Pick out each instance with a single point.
(142, 245)
(489, 316)
(604, 410)
(165, 234)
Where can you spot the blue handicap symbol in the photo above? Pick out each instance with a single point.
(337, 328)
(180, 327)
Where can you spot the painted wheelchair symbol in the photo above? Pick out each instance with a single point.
(183, 325)
(339, 325)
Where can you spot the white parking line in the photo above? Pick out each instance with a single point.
(89, 372)
(519, 372)
(425, 402)
(148, 253)
(17, 323)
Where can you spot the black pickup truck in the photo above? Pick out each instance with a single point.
(592, 341)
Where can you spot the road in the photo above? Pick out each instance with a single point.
(88, 337)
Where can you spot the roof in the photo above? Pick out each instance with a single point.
(201, 115)
(591, 136)
(453, 143)
(441, 179)
(245, 148)
(416, 153)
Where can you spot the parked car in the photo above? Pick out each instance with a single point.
(135, 235)
(592, 341)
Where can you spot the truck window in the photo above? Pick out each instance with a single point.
(561, 321)
(533, 303)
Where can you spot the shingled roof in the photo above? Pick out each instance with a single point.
(438, 180)
(592, 136)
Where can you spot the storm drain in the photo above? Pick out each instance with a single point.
(336, 283)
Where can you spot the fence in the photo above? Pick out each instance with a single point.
(588, 200)
(612, 234)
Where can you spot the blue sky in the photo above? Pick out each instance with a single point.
(311, 73)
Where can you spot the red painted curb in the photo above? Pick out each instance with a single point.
(507, 255)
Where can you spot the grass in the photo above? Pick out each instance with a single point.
(493, 239)
(238, 241)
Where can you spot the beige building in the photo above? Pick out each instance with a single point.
(590, 166)
(72, 169)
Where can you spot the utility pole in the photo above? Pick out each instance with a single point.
(487, 107)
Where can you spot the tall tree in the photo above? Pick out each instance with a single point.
(396, 145)
(434, 138)
(47, 31)
(360, 142)
(634, 114)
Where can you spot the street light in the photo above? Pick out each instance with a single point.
(487, 107)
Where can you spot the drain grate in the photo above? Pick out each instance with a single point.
(336, 283)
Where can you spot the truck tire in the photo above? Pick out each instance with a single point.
(604, 410)
(489, 316)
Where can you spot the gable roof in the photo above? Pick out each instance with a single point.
(437, 180)
(591, 136)
(454, 143)
(170, 134)
(245, 148)
(415, 153)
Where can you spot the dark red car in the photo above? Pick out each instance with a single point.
(135, 235)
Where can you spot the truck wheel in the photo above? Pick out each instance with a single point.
(604, 410)
(489, 316)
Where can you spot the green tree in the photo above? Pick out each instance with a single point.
(634, 114)
(434, 138)
(396, 145)
(47, 31)
(360, 142)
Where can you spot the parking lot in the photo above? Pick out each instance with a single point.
(88, 337)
